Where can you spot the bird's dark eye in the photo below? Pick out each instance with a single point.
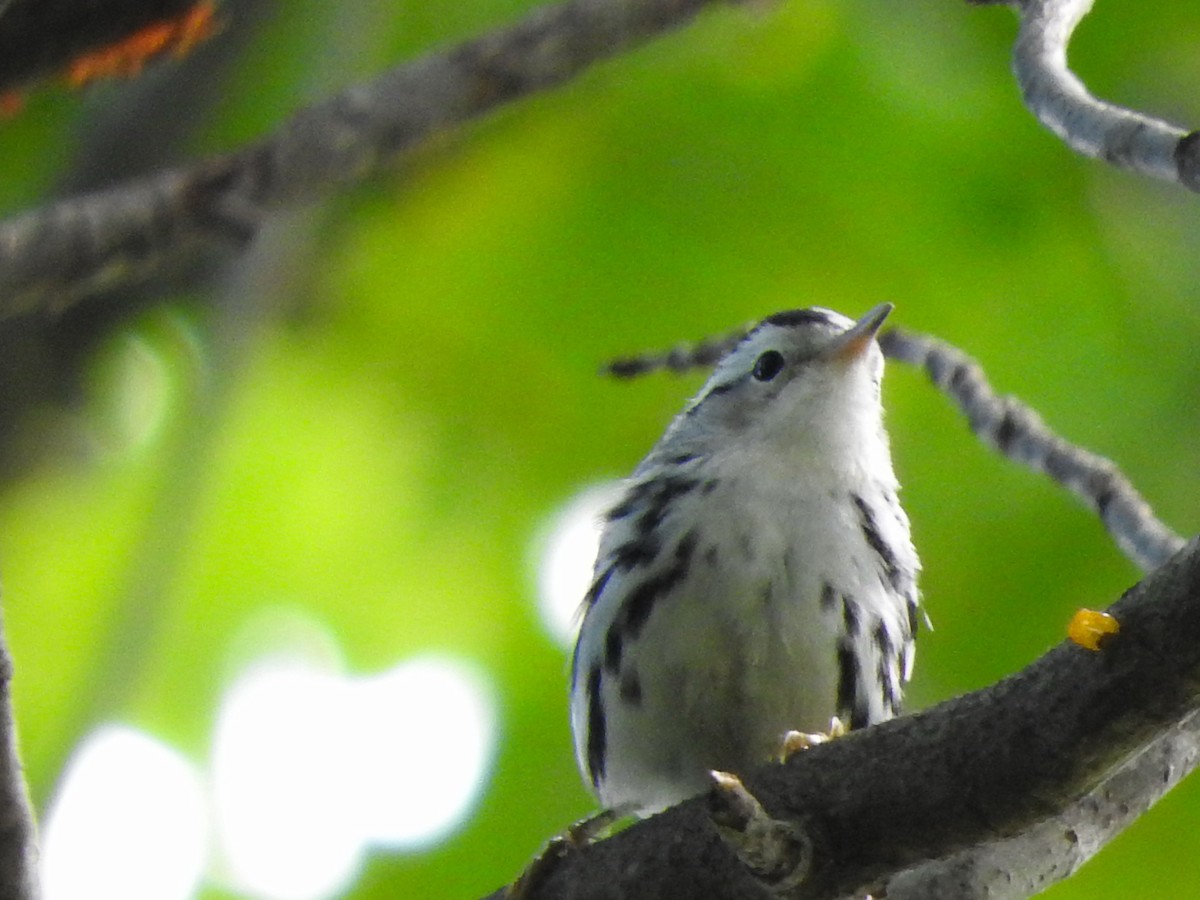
(768, 365)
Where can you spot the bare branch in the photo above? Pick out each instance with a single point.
(1054, 849)
(1061, 101)
(980, 770)
(1016, 431)
(51, 257)
(681, 358)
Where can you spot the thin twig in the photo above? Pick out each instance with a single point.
(679, 359)
(1017, 432)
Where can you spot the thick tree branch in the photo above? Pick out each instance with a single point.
(53, 256)
(1054, 849)
(1053, 747)
(1061, 101)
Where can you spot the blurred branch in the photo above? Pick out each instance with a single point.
(998, 793)
(53, 256)
(18, 849)
(1060, 100)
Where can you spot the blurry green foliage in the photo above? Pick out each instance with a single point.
(383, 458)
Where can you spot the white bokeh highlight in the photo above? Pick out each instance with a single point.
(284, 817)
(568, 548)
(312, 767)
(129, 821)
(425, 737)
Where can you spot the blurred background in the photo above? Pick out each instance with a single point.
(290, 546)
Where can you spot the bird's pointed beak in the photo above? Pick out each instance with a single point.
(854, 341)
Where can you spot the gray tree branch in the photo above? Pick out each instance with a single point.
(1013, 429)
(1055, 848)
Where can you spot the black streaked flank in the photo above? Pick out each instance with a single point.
(905, 658)
(637, 552)
(597, 588)
(656, 500)
(612, 650)
(914, 621)
(883, 640)
(888, 687)
(850, 613)
(631, 502)
(860, 717)
(634, 497)
(651, 518)
(640, 601)
(870, 530)
(597, 743)
(653, 491)
(890, 674)
(672, 487)
(847, 689)
(887, 672)
(886, 682)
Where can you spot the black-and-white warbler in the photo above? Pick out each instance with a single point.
(757, 574)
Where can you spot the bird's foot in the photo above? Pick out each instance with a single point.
(795, 741)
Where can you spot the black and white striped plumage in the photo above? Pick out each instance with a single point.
(756, 576)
